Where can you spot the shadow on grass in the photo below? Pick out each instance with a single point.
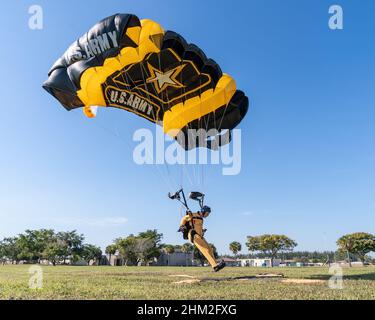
(364, 276)
(256, 277)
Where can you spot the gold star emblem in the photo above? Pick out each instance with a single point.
(162, 80)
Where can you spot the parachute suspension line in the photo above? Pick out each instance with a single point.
(182, 177)
(127, 78)
(201, 121)
(225, 110)
(168, 176)
(185, 168)
(122, 140)
(166, 165)
(200, 168)
(182, 211)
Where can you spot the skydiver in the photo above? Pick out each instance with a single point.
(191, 227)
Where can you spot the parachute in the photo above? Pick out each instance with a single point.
(134, 65)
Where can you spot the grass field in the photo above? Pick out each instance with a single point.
(159, 283)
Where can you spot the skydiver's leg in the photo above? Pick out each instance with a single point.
(204, 248)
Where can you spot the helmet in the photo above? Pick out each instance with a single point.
(206, 211)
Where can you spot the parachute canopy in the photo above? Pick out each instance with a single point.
(134, 65)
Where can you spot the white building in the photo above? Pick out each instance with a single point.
(259, 262)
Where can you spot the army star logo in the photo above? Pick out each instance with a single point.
(162, 80)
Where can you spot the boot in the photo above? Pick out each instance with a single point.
(220, 266)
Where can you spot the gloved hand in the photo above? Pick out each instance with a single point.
(182, 229)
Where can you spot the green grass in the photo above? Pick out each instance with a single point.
(128, 283)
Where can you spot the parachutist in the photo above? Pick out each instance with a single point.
(191, 226)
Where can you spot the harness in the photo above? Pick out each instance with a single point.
(191, 227)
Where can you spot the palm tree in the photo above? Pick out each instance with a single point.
(187, 247)
(235, 247)
(110, 250)
(169, 249)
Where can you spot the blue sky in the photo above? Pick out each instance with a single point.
(308, 141)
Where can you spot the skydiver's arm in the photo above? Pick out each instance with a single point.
(184, 221)
(183, 224)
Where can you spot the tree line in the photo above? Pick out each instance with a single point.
(146, 248)
(67, 247)
(351, 247)
(36, 246)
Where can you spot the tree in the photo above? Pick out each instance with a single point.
(32, 243)
(25, 248)
(270, 244)
(3, 252)
(55, 251)
(145, 250)
(111, 250)
(126, 248)
(74, 242)
(140, 249)
(198, 256)
(153, 235)
(43, 237)
(11, 249)
(151, 245)
(235, 247)
(169, 249)
(91, 253)
(214, 250)
(358, 244)
(187, 247)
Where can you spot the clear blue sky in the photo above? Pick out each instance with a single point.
(308, 140)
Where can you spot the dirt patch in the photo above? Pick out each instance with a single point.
(189, 281)
(180, 276)
(264, 276)
(193, 280)
(269, 275)
(303, 281)
(244, 278)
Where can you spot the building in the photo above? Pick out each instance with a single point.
(346, 264)
(259, 262)
(114, 260)
(231, 262)
(176, 259)
(293, 263)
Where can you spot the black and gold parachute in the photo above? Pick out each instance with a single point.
(134, 65)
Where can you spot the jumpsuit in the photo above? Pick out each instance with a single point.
(194, 222)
